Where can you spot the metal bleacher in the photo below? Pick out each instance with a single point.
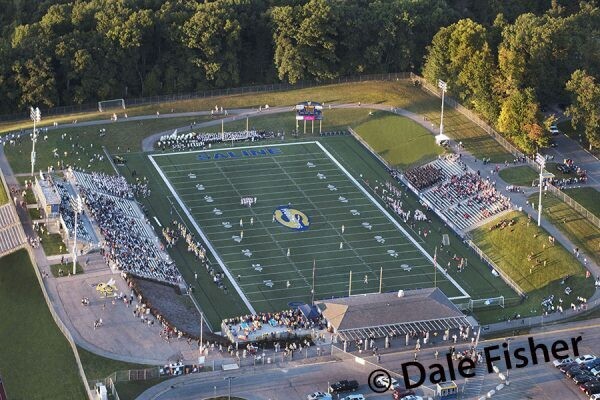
(12, 235)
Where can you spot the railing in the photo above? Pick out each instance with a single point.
(506, 144)
(492, 264)
(88, 107)
(61, 326)
(578, 207)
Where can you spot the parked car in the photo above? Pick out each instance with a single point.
(564, 368)
(383, 381)
(559, 363)
(576, 370)
(354, 397)
(319, 396)
(592, 390)
(343, 386)
(595, 396)
(584, 378)
(564, 168)
(585, 359)
(400, 393)
(412, 397)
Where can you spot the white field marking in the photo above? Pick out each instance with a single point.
(387, 214)
(383, 248)
(250, 231)
(230, 148)
(203, 236)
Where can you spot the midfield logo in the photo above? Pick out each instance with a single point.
(291, 218)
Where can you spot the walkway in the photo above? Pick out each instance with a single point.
(128, 349)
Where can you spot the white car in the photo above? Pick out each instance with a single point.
(595, 396)
(412, 397)
(558, 363)
(319, 396)
(383, 381)
(585, 359)
(354, 397)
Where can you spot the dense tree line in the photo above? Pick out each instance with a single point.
(70, 52)
(508, 72)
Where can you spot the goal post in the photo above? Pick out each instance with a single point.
(106, 105)
(484, 303)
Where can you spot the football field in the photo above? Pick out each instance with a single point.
(309, 211)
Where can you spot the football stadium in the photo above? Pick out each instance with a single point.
(191, 211)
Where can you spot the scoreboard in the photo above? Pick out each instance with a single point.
(309, 111)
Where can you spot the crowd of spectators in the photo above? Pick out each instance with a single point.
(67, 213)
(128, 243)
(181, 141)
(424, 176)
(291, 320)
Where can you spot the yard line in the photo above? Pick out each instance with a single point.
(387, 214)
(203, 236)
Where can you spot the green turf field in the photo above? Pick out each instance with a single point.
(522, 175)
(36, 362)
(587, 197)
(281, 175)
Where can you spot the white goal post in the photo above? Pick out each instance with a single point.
(489, 302)
(111, 104)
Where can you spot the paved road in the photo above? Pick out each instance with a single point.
(294, 381)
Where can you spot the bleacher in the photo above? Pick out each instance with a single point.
(122, 220)
(462, 197)
(11, 231)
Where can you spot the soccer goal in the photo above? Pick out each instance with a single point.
(111, 104)
(489, 302)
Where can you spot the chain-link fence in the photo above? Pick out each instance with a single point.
(506, 144)
(274, 87)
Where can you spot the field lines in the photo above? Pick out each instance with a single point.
(270, 264)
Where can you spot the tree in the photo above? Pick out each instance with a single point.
(585, 107)
(519, 120)
(305, 41)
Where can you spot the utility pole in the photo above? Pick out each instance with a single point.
(229, 379)
(201, 332)
(312, 292)
(36, 116)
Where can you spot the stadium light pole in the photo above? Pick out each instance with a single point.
(36, 117)
(444, 86)
(77, 209)
(542, 163)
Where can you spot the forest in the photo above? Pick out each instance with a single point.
(506, 59)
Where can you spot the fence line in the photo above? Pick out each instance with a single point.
(492, 264)
(574, 204)
(61, 325)
(507, 145)
(139, 101)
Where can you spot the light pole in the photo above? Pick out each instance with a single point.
(36, 117)
(229, 379)
(444, 86)
(77, 205)
(541, 162)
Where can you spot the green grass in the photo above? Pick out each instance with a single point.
(52, 243)
(132, 389)
(575, 226)
(98, 367)
(587, 197)
(387, 133)
(36, 362)
(119, 137)
(509, 249)
(34, 213)
(551, 167)
(479, 282)
(3, 194)
(30, 197)
(67, 269)
(520, 176)
(390, 136)
(402, 94)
